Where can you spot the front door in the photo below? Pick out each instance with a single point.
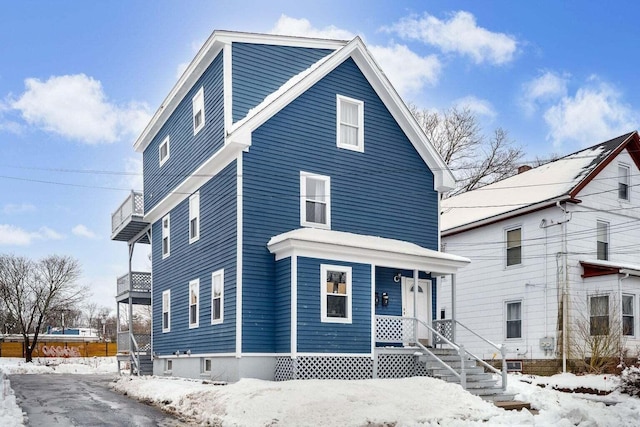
(423, 305)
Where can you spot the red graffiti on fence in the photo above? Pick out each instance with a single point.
(59, 351)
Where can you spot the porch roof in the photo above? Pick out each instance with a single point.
(351, 247)
(593, 267)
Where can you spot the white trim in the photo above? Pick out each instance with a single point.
(217, 355)
(166, 218)
(506, 319)
(348, 295)
(162, 325)
(360, 126)
(164, 143)
(506, 246)
(194, 284)
(625, 166)
(239, 247)
(197, 104)
(194, 213)
(227, 84)
(336, 354)
(294, 306)
(304, 176)
(216, 163)
(221, 319)
(373, 308)
(203, 367)
(608, 237)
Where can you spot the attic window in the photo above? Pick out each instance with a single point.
(623, 182)
(350, 123)
(198, 111)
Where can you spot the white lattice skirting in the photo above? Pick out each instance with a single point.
(348, 368)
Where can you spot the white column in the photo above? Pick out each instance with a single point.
(453, 308)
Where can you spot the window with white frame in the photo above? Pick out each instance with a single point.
(514, 319)
(194, 306)
(628, 318)
(166, 311)
(206, 366)
(164, 151)
(315, 200)
(217, 297)
(194, 217)
(335, 285)
(350, 123)
(599, 315)
(603, 240)
(514, 246)
(198, 111)
(623, 182)
(168, 365)
(166, 236)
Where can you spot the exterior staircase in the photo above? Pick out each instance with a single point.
(479, 382)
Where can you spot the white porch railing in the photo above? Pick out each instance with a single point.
(132, 206)
(124, 343)
(138, 282)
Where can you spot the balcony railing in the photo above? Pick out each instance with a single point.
(133, 206)
(395, 329)
(124, 343)
(137, 282)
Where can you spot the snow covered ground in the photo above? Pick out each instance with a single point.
(401, 402)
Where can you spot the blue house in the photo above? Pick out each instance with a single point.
(292, 206)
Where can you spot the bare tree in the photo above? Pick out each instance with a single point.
(474, 159)
(31, 290)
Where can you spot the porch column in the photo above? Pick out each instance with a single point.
(453, 308)
(415, 305)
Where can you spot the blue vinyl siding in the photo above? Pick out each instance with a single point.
(187, 152)
(215, 250)
(283, 306)
(260, 69)
(385, 283)
(315, 336)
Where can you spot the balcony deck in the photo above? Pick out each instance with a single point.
(127, 221)
(138, 287)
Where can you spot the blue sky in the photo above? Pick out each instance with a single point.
(79, 79)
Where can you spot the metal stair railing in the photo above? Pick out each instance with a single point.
(134, 355)
(462, 375)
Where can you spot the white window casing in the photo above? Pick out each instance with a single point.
(315, 200)
(166, 311)
(349, 123)
(336, 294)
(163, 151)
(628, 315)
(599, 315)
(194, 303)
(602, 250)
(198, 111)
(194, 217)
(513, 246)
(624, 182)
(166, 236)
(217, 297)
(513, 316)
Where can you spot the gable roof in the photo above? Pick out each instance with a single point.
(537, 188)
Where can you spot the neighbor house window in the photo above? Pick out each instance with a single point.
(514, 319)
(194, 297)
(628, 319)
(217, 297)
(599, 315)
(350, 123)
(603, 240)
(198, 111)
(315, 200)
(166, 236)
(623, 182)
(514, 246)
(166, 311)
(194, 217)
(335, 285)
(164, 151)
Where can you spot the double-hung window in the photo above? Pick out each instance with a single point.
(198, 111)
(335, 287)
(514, 246)
(350, 123)
(166, 236)
(217, 297)
(166, 311)
(603, 240)
(514, 319)
(315, 200)
(599, 315)
(194, 217)
(194, 306)
(623, 182)
(628, 318)
(164, 151)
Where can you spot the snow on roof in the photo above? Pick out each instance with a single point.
(543, 184)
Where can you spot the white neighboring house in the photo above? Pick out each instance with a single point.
(567, 231)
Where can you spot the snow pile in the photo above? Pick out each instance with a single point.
(10, 412)
(51, 365)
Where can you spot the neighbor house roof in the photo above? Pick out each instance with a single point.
(537, 188)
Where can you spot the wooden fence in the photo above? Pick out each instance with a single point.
(60, 349)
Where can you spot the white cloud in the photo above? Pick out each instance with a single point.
(595, 113)
(12, 209)
(480, 107)
(82, 231)
(76, 107)
(302, 27)
(15, 236)
(548, 86)
(459, 34)
(407, 71)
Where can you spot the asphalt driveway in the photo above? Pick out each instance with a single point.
(82, 400)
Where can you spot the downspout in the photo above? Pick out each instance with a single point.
(565, 289)
(621, 314)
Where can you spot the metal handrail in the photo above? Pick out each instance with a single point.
(462, 376)
(135, 357)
